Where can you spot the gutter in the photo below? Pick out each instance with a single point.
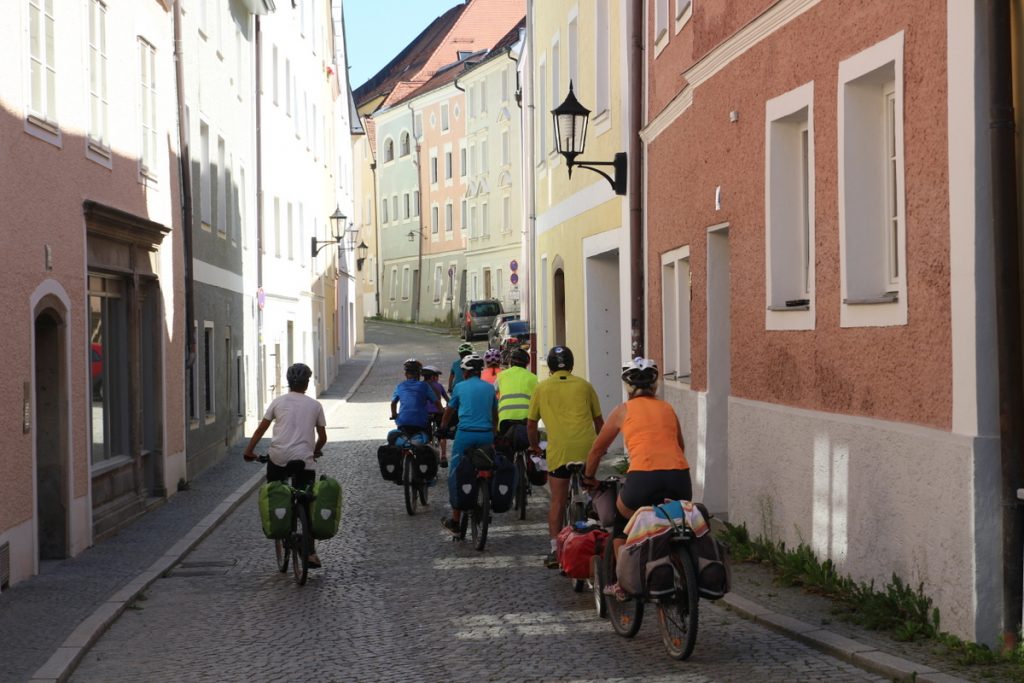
(419, 231)
(185, 172)
(635, 182)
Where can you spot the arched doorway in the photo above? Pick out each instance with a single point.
(558, 297)
(51, 435)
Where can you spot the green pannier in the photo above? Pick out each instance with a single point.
(276, 509)
(326, 507)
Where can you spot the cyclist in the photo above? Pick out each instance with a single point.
(514, 387)
(295, 417)
(572, 414)
(436, 408)
(492, 361)
(657, 455)
(455, 376)
(409, 405)
(474, 402)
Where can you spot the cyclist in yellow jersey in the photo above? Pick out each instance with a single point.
(572, 416)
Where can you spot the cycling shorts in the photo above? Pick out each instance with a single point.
(650, 487)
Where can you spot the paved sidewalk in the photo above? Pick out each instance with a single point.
(47, 622)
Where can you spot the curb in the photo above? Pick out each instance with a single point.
(62, 663)
(859, 654)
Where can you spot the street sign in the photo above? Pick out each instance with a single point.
(261, 298)
(514, 266)
(513, 293)
(514, 278)
(451, 271)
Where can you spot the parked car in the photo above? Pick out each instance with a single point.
(513, 334)
(492, 333)
(478, 317)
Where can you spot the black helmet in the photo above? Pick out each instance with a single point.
(298, 375)
(472, 364)
(413, 366)
(520, 358)
(560, 358)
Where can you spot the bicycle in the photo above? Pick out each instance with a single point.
(414, 485)
(519, 446)
(297, 546)
(478, 518)
(678, 609)
(576, 508)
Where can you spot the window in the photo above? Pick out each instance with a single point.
(472, 159)
(684, 9)
(448, 221)
(660, 23)
(404, 147)
(147, 110)
(444, 118)
(485, 229)
(506, 214)
(314, 135)
(98, 74)
(483, 96)
(108, 339)
(42, 62)
(384, 210)
(205, 196)
(789, 196)
(474, 229)
(471, 97)
(220, 192)
(434, 223)
(240, 198)
(438, 282)
(277, 226)
(542, 112)
(433, 169)
(302, 232)
(601, 60)
(406, 201)
(389, 150)
(462, 162)
(504, 85)
(448, 165)
(498, 281)
(209, 400)
(871, 213)
(290, 235)
(394, 282)
(675, 301)
(417, 126)
(287, 85)
(416, 203)
(573, 49)
(556, 75)
(405, 282)
(484, 158)
(506, 148)
(275, 86)
(394, 207)
(463, 214)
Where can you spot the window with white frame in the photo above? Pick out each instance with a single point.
(463, 215)
(506, 148)
(444, 117)
(394, 282)
(871, 201)
(288, 87)
(433, 169)
(660, 23)
(205, 195)
(473, 223)
(684, 10)
(220, 190)
(472, 159)
(506, 214)
(277, 226)
(405, 282)
(462, 162)
(675, 302)
(485, 229)
(394, 207)
(556, 76)
(417, 125)
(384, 210)
(471, 100)
(434, 222)
(148, 107)
(416, 203)
(389, 150)
(602, 59)
(483, 156)
(504, 85)
(572, 49)
(542, 112)
(483, 96)
(275, 87)
(405, 147)
(209, 390)
(98, 102)
(499, 284)
(448, 219)
(438, 282)
(407, 201)
(302, 231)
(42, 61)
(448, 165)
(789, 209)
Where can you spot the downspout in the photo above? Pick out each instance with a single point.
(260, 370)
(634, 175)
(185, 163)
(1008, 301)
(419, 230)
(377, 266)
(529, 306)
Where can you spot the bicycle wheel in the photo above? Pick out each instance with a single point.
(626, 615)
(283, 553)
(677, 620)
(521, 484)
(481, 514)
(597, 586)
(302, 541)
(409, 484)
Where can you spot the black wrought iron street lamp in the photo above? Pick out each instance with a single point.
(571, 119)
(337, 232)
(361, 250)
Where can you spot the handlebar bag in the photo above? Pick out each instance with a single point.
(325, 510)
(390, 460)
(275, 503)
(503, 484)
(426, 462)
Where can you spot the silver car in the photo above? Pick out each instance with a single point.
(478, 317)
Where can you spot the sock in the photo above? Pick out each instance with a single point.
(554, 545)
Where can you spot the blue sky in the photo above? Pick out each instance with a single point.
(377, 30)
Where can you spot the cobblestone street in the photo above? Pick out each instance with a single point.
(398, 600)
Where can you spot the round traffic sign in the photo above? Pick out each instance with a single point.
(514, 278)
(514, 265)
(451, 271)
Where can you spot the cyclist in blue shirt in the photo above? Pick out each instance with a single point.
(476, 405)
(409, 405)
(455, 376)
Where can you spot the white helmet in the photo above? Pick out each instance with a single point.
(640, 372)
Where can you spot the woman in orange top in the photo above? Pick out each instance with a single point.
(657, 462)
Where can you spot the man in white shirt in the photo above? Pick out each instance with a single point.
(295, 416)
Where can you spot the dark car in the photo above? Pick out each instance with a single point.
(513, 334)
(492, 333)
(478, 317)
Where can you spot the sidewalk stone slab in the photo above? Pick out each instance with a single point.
(784, 623)
(940, 678)
(89, 629)
(59, 663)
(890, 665)
(747, 608)
(835, 644)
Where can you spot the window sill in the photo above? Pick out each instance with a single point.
(47, 131)
(109, 465)
(210, 419)
(99, 153)
(146, 176)
(887, 298)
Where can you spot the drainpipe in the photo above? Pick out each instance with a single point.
(419, 230)
(184, 161)
(634, 175)
(528, 305)
(378, 266)
(261, 380)
(1008, 302)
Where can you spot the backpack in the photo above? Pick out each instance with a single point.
(390, 460)
(425, 458)
(576, 547)
(325, 510)
(503, 484)
(275, 502)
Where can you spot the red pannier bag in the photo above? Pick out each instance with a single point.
(576, 548)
